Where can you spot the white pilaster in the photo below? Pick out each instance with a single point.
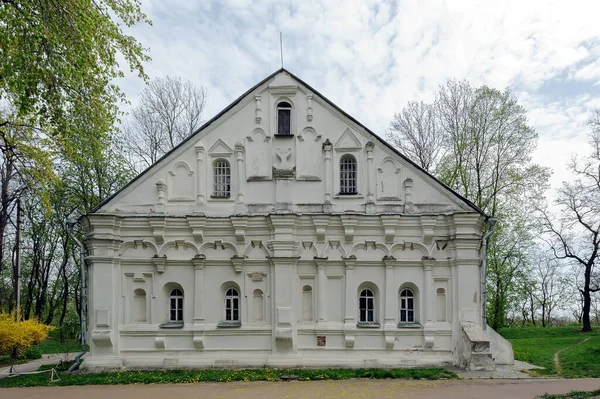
(327, 147)
(200, 198)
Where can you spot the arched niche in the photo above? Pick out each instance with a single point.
(258, 306)
(180, 182)
(307, 303)
(309, 159)
(258, 155)
(139, 311)
(389, 180)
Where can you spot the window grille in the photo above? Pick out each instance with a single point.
(176, 313)
(348, 175)
(222, 179)
(284, 118)
(407, 306)
(232, 305)
(366, 305)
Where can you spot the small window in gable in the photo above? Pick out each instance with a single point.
(348, 175)
(176, 313)
(284, 118)
(222, 179)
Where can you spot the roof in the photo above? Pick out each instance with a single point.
(240, 98)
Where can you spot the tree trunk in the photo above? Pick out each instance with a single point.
(587, 298)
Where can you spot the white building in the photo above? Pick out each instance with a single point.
(285, 233)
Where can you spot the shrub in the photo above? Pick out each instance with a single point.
(18, 336)
(31, 354)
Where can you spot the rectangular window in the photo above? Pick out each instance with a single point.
(284, 121)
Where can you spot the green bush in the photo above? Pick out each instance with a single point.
(31, 354)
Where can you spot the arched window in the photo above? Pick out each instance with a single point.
(407, 306)
(176, 313)
(221, 179)
(366, 306)
(348, 175)
(232, 305)
(284, 118)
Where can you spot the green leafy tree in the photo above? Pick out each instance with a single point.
(478, 141)
(58, 66)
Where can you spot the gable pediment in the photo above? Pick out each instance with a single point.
(220, 148)
(348, 141)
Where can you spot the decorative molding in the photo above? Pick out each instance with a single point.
(348, 142)
(240, 223)
(219, 148)
(158, 226)
(349, 223)
(320, 222)
(159, 263)
(258, 110)
(197, 225)
(390, 223)
(309, 109)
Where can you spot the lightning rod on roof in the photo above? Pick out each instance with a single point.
(281, 47)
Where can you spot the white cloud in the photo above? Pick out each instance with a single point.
(370, 57)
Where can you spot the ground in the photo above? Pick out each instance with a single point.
(366, 389)
(562, 351)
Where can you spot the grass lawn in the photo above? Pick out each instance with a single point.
(539, 345)
(219, 375)
(53, 345)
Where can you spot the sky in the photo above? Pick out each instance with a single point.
(371, 57)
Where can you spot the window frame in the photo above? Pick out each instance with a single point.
(233, 306)
(345, 181)
(284, 105)
(216, 193)
(363, 294)
(176, 305)
(404, 306)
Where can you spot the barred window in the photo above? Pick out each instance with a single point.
(222, 178)
(284, 118)
(176, 313)
(232, 305)
(348, 175)
(366, 306)
(407, 306)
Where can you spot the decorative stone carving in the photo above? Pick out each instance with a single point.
(161, 188)
(348, 142)
(239, 226)
(349, 222)
(284, 156)
(159, 263)
(390, 222)
(309, 108)
(320, 222)
(237, 262)
(197, 225)
(158, 229)
(258, 110)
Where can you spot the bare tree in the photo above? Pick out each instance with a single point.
(169, 111)
(575, 233)
(414, 132)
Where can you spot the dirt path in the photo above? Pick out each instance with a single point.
(365, 389)
(556, 355)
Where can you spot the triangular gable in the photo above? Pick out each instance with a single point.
(347, 141)
(220, 148)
